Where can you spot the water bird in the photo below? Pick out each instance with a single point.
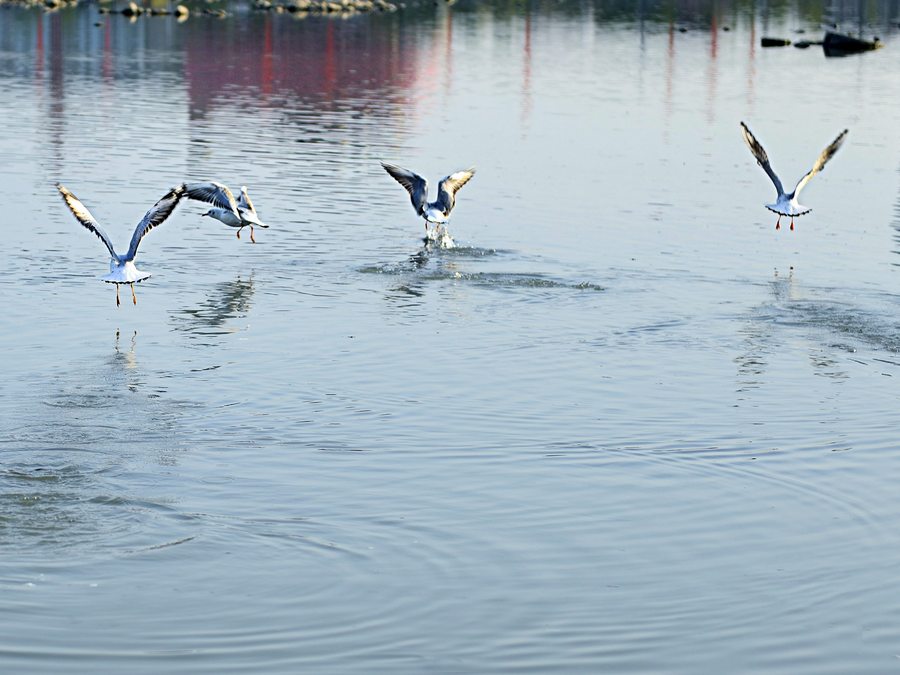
(786, 204)
(238, 213)
(436, 212)
(121, 267)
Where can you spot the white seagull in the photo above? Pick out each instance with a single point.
(121, 267)
(437, 212)
(787, 204)
(235, 213)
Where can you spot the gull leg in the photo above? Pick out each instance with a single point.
(252, 240)
(117, 295)
(778, 222)
(238, 233)
(792, 223)
(133, 296)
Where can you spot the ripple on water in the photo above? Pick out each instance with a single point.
(843, 328)
(64, 501)
(424, 266)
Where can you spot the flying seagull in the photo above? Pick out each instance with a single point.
(121, 267)
(437, 212)
(787, 204)
(235, 213)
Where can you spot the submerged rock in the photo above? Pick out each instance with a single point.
(836, 44)
(132, 9)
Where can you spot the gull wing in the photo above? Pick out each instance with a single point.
(827, 154)
(415, 185)
(761, 157)
(155, 216)
(212, 193)
(83, 216)
(247, 210)
(244, 201)
(448, 186)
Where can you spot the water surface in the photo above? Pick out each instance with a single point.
(625, 426)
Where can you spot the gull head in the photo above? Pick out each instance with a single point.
(211, 212)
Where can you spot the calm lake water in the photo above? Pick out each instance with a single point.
(624, 426)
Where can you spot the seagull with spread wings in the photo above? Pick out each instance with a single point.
(786, 204)
(121, 267)
(239, 213)
(436, 212)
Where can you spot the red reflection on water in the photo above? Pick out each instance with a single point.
(448, 51)
(712, 72)
(267, 72)
(39, 52)
(526, 70)
(323, 62)
(330, 68)
(751, 71)
(670, 68)
(107, 71)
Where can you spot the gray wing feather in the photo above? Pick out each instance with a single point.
(761, 157)
(212, 193)
(155, 216)
(826, 155)
(415, 185)
(244, 201)
(448, 186)
(247, 210)
(83, 216)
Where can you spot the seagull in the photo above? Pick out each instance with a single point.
(121, 267)
(787, 204)
(437, 212)
(235, 213)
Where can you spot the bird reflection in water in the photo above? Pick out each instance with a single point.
(123, 370)
(127, 359)
(759, 341)
(226, 301)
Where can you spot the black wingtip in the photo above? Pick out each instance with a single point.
(176, 192)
